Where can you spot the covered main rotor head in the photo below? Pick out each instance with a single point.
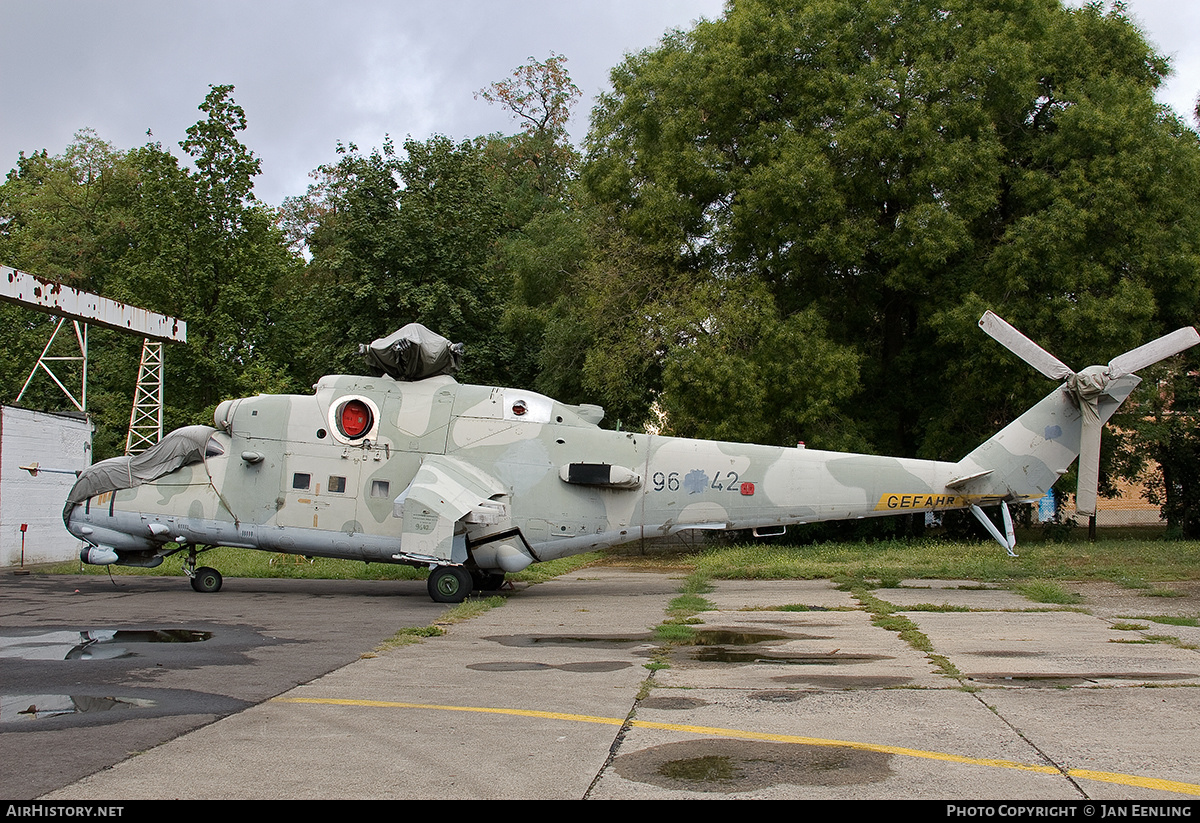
(413, 353)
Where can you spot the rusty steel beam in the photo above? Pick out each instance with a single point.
(64, 301)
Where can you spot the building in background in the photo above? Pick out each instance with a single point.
(60, 445)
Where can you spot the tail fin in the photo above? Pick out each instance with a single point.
(1025, 458)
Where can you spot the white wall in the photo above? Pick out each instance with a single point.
(53, 441)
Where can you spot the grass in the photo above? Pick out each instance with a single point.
(687, 605)
(406, 637)
(455, 614)
(1126, 561)
(243, 563)
(1172, 620)
(1162, 592)
(1044, 591)
(1170, 640)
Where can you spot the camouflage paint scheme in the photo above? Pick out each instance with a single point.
(492, 479)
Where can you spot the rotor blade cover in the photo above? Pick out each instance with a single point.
(1152, 352)
(1089, 466)
(1020, 345)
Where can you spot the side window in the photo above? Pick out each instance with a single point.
(337, 484)
(301, 481)
(379, 488)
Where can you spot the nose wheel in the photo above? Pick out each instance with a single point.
(204, 579)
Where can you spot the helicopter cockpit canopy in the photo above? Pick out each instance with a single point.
(190, 444)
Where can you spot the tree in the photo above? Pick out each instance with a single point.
(475, 239)
(539, 95)
(404, 238)
(899, 166)
(65, 218)
(136, 226)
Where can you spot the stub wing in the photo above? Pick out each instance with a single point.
(444, 491)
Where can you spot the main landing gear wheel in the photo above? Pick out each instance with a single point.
(449, 584)
(205, 579)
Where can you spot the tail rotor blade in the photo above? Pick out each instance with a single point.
(1152, 352)
(1089, 466)
(1023, 347)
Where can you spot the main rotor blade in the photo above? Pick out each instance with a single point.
(1089, 466)
(1152, 352)
(1023, 347)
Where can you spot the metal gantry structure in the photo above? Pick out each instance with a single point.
(146, 417)
(82, 308)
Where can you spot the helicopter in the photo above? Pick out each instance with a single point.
(476, 482)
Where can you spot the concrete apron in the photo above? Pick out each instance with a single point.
(548, 697)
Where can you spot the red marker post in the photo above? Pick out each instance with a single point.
(22, 569)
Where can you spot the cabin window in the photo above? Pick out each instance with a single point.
(355, 419)
(337, 484)
(301, 481)
(379, 488)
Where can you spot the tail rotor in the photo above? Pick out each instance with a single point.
(1087, 386)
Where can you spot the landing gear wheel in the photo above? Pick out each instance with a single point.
(207, 580)
(449, 584)
(489, 582)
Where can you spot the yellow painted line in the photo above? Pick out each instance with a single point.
(385, 704)
(1087, 774)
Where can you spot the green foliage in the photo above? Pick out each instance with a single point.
(674, 634)
(1160, 427)
(396, 239)
(1173, 620)
(541, 572)
(539, 95)
(687, 605)
(138, 227)
(897, 167)
(1106, 559)
(746, 374)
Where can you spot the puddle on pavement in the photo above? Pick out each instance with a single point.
(601, 640)
(94, 644)
(779, 696)
(1053, 681)
(531, 666)
(720, 637)
(672, 703)
(712, 646)
(27, 707)
(844, 682)
(729, 637)
(1009, 654)
(728, 766)
(509, 666)
(720, 654)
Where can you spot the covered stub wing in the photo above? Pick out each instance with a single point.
(413, 353)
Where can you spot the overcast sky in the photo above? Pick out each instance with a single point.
(309, 74)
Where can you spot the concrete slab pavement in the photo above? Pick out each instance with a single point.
(548, 697)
